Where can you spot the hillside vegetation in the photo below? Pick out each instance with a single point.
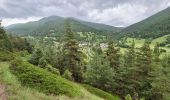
(16, 91)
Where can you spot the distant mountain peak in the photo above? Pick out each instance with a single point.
(45, 24)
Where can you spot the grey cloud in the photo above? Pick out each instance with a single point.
(76, 8)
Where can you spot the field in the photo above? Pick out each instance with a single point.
(140, 42)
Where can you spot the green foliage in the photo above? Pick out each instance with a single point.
(142, 73)
(128, 97)
(161, 82)
(52, 69)
(130, 56)
(123, 77)
(100, 93)
(6, 55)
(24, 53)
(156, 52)
(42, 80)
(68, 75)
(5, 43)
(99, 73)
(72, 58)
(42, 62)
(113, 56)
(36, 56)
(20, 44)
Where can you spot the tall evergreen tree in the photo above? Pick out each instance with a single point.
(161, 82)
(156, 53)
(113, 56)
(72, 55)
(5, 43)
(99, 74)
(125, 84)
(142, 74)
(130, 56)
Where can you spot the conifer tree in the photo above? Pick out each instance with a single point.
(113, 56)
(5, 43)
(156, 52)
(142, 74)
(99, 74)
(161, 82)
(125, 83)
(72, 55)
(130, 56)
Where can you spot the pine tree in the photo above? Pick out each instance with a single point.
(161, 82)
(142, 73)
(113, 56)
(5, 43)
(130, 56)
(99, 74)
(72, 55)
(125, 84)
(156, 53)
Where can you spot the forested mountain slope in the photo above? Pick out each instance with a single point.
(154, 26)
(55, 24)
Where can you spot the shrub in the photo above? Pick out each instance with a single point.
(162, 50)
(162, 44)
(24, 53)
(36, 56)
(68, 75)
(6, 55)
(100, 93)
(128, 97)
(42, 80)
(42, 62)
(52, 70)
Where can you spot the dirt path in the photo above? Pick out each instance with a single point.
(3, 94)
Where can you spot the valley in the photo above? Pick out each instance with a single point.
(65, 58)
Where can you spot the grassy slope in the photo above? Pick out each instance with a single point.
(140, 42)
(18, 92)
(100, 93)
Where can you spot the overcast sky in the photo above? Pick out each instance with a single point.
(111, 12)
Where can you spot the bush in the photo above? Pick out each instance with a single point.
(36, 56)
(42, 62)
(42, 80)
(68, 75)
(162, 50)
(162, 44)
(100, 93)
(6, 55)
(24, 53)
(52, 70)
(128, 97)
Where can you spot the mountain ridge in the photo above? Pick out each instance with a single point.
(56, 23)
(158, 23)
